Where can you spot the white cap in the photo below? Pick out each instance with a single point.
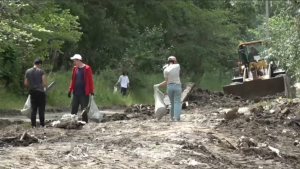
(76, 56)
(172, 58)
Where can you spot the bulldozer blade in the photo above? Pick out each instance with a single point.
(258, 88)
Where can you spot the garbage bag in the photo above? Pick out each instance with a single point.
(26, 111)
(115, 89)
(94, 113)
(160, 107)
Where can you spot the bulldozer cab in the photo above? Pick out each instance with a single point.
(251, 52)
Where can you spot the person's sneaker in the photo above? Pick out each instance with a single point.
(33, 127)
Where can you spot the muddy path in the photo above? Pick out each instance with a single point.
(205, 138)
(200, 140)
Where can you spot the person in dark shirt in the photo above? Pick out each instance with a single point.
(36, 80)
(253, 52)
(81, 85)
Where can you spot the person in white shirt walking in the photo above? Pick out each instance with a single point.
(124, 82)
(172, 80)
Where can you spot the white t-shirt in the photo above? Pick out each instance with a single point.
(172, 73)
(123, 80)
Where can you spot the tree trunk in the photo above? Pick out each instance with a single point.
(54, 60)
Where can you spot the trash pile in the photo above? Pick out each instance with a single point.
(68, 121)
(203, 97)
(195, 98)
(281, 110)
(143, 111)
(250, 146)
(140, 108)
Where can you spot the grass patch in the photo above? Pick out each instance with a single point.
(11, 101)
(26, 124)
(140, 91)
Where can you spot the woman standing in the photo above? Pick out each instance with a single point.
(172, 79)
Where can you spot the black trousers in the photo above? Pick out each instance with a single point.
(38, 102)
(123, 91)
(83, 101)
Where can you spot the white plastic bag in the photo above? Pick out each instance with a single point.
(94, 113)
(26, 111)
(115, 89)
(160, 107)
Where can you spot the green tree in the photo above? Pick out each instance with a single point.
(31, 29)
(284, 38)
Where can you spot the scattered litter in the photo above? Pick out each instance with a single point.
(275, 150)
(244, 111)
(296, 142)
(275, 110)
(246, 142)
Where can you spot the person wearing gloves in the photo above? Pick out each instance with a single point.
(174, 90)
(36, 80)
(81, 85)
(124, 82)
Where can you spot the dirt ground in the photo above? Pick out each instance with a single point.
(203, 139)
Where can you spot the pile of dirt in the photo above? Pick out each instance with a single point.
(273, 124)
(201, 97)
(24, 139)
(196, 98)
(276, 114)
(141, 111)
(114, 117)
(138, 108)
(269, 98)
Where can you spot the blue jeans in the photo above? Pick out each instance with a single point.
(174, 93)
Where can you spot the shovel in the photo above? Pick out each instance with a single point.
(50, 86)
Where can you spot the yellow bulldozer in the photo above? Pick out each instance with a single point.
(256, 76)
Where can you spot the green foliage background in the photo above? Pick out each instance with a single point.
(137, 36)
